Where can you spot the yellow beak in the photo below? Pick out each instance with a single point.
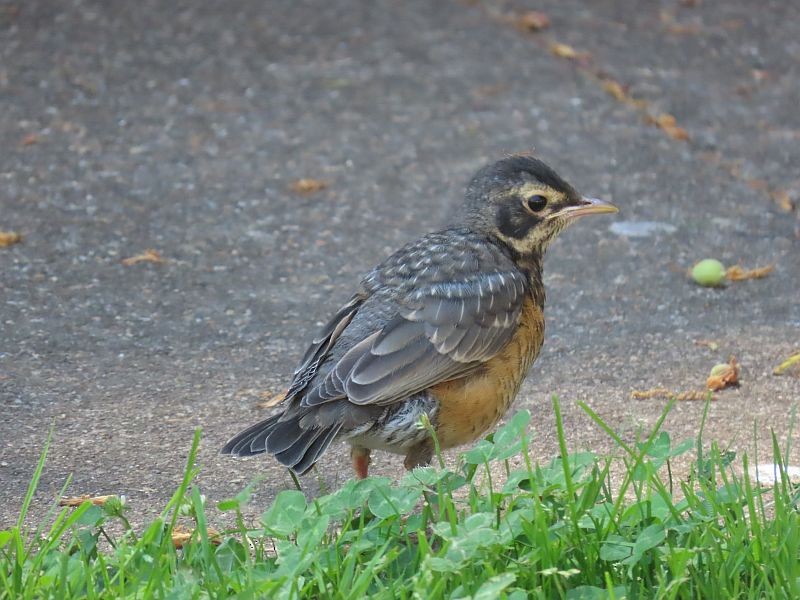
(588, 206)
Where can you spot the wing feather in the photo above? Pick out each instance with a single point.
(440, 332)
(322, 344)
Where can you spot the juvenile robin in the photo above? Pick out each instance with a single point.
(447, 327)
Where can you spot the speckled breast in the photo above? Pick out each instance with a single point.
(471, 406)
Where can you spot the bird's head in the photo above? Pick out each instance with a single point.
(524, 204)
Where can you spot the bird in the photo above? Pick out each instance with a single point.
(446, 329)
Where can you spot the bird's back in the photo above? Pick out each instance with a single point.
(439, 258)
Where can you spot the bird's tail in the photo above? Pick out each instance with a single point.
(293, 446)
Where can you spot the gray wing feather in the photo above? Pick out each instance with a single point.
(441, 332)
(322, 344)
(376, 370)
(451, 342)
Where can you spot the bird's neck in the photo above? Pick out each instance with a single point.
(530, 263)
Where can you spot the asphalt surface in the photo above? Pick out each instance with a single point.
(180, 126)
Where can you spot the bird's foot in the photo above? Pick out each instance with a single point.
(361, 461)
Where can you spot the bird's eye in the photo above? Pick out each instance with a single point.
(536, 203)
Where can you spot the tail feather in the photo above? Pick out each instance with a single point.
(294, 447)
(252, 440)
(295, 453)
(285, 435)
(315, 450)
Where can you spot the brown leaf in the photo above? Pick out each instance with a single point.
(783, 199)
(660, 392)
(668, 125)
(677, 133)
(308, 186)
(657, 392)
(270, 399)
(723, 375)
(181, 536)
(565, 51)
(759, 185)
(737, 273)
(615, 89)
(693, 395)
(29, 140)
(485, 91)
(733, 24)
(9, 238)
(531, 21)
(620, 92)
(78, 500)
(664, 120)
(149, 255)
(684, 28)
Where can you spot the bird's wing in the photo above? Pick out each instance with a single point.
(440, 331)
(322, 344)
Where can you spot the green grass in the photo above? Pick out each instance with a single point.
(558, 530)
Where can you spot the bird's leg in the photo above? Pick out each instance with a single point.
(419, 455)
(361, 461)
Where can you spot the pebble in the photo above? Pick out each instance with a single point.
(641, 228)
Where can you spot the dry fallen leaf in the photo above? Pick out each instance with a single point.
(781, 197)
(684, 28)
(738, 273)
(758, 185)
(668, 125)
(149, 255)
(793, 362)
(710, 344)
(269, 399)
(651, 393)
(9, 238)
(181, 536)
(485, 91)
(693, 395)
(660, 392)
(565, 51)
(676, 133)
(620, 93)
(615, 89)
(308, 186)
(29, 140)
(532, 20)
(733, 24)
(78, 500)
(723, 375)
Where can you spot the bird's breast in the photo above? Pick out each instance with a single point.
(470, 406)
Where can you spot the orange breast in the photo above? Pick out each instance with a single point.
(470, 406)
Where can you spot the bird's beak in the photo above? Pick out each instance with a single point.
(586, 206)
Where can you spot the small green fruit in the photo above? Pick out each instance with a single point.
(709, 272)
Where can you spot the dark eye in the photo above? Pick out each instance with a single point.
(536, 203)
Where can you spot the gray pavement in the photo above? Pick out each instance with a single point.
(180, 126)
